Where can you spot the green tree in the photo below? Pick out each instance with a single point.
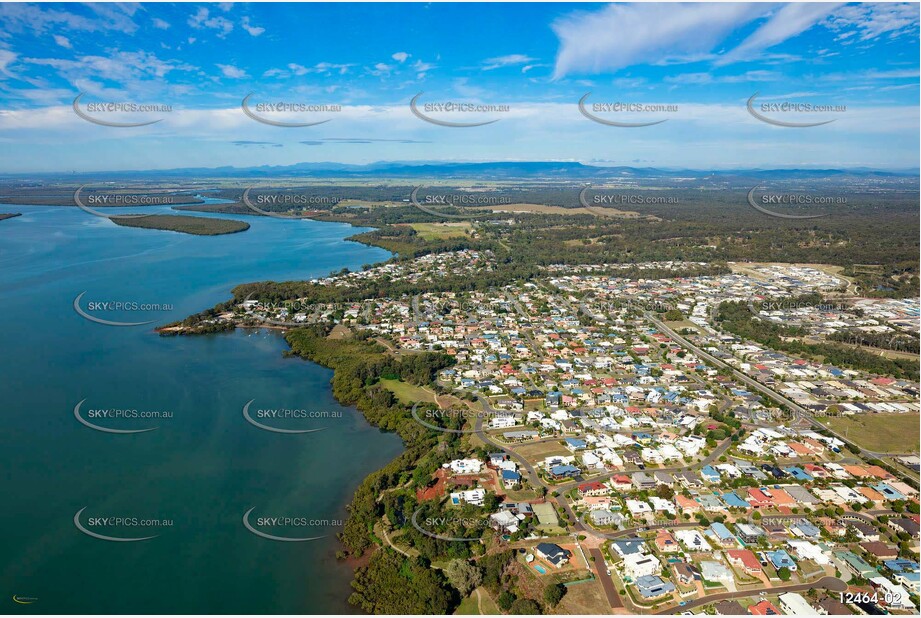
(464, 576)
(525, 607)
(394, 584)
(554, 593)
(505, 600)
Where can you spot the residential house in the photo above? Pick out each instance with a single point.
(653, 586)
(744, 559)
(552, 553)
(793, 604)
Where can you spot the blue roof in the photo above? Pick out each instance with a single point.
(564, 469)
(901, 564)
(779, 558)
(652, 586)
(710, 472)
(733, 500)
(721, 531)
(798, 473)
(510, 475)
(888, 491)
(912, 576)
(575, 442)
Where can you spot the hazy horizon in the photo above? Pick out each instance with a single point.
(699, 72)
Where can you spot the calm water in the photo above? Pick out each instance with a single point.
(203, 468)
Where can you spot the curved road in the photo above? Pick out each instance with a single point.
(826, 583)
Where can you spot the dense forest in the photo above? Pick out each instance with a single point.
(874, 235)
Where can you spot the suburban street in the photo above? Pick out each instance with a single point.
(832, 584)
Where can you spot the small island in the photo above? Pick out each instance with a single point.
(9, 215)
(201, 226)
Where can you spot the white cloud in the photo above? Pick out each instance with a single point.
(623, 35)
(723, 135)
(330, 67)
(202, 19)
(7, 58)
(231, 71)
(872, 20)
(120, 66)
(252, 30)
(791, 20)
(62, 41)
(18, 17)
(160, 24)
(382, 69)
(465, 89)
(503, 61)
(321, 68)
(710, 78)
(400, 57)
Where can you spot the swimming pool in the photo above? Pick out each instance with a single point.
(540, 569)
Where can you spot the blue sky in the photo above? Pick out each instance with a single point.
(706, 60)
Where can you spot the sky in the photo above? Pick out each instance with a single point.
(522, 68)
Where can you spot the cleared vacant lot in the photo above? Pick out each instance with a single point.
(538, 452)
(407, 393)
(884, 433)
(437, 231)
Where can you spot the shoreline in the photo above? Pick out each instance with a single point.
(353, 561)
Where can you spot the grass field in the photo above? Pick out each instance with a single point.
(407, 393)
(587, 599)
(679, 326)
(537, 452)
(559, 210)
(470, 606)
(438, 231)
(884, 433)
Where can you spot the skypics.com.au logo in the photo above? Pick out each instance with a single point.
(774, 203)
(105, 113)
(772, 113)
(285, 205)
(282, 528)
(263, 112)
(459, 205)
(606, 112)
(117, 527)
(423, 112)
(116, 308)
(272, 419)
(101, 419)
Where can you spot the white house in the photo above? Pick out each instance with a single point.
(466, 466)
(640, 564)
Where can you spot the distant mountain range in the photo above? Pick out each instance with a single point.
(497, 170)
